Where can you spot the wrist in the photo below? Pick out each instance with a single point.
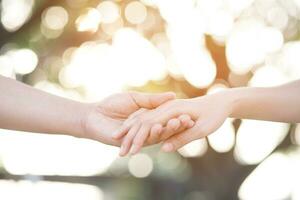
(79, 128)
(236, 98)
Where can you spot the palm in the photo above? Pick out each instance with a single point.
(108, 116)
(119, 106)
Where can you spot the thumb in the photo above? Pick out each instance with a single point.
(151, 101)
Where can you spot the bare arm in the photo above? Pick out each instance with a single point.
(28, 109)
(280, 103)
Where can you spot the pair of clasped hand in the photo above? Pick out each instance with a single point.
(174, 122)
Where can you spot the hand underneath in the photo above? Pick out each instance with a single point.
(106, 117)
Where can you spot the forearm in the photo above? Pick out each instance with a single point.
(280, 103)
(27, 109)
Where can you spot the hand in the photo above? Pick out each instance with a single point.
(156, 133)
(208, 112)
(104, 118)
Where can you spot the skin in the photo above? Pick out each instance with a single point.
(27, 109)
(281, 104)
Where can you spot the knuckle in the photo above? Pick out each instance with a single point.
(148, 121)
(138, 120)
(125, 142)
(127, 123)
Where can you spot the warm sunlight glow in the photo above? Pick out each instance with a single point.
(272, 179)
(223, 139)
(140, 165)
(195, 148)
(264, 136)
(81, 158)
(55, 18)
(14, 13)
(135, 12)
(89, 21)
(47, 190)
(24, 60)
(109, 11)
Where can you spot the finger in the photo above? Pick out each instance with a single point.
(128, 123)
(168, 132)
(184, 119)
(155, 133)
(179, 140)
(136, 113)
(118, 134)
(151, 101)
(156, 130)
(127, 141)
(174, 124)
(191, 123)
(140, 139)
(165, 134)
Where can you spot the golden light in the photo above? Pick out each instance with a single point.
(272, 39)
(264, 136)
(179, 12)
(111, 28)
(67, 55)
(69, 76)
(89, 21)
(81, 158)
(24, 61)
(220, 23)
(190, 54)
(198, 68)
(6, 67)
(195, 148)
(14, 13)
(223, 139)
(243, 50)
(94, 67)
(149, 23)
(109, 11)
(76, 3)
(50, 33)
(140, 165)
(277, 17)
(55, 18)
(143, 61)
(288, 61)
(135, 12)
(268, 76)
(272, 179)
(149, 2)
(238, 6)
(16, 190)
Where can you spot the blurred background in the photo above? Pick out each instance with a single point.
(88, 49)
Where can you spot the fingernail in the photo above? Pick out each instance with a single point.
(176, 128)
(168, 147)
(134, 149)
(191, 123)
